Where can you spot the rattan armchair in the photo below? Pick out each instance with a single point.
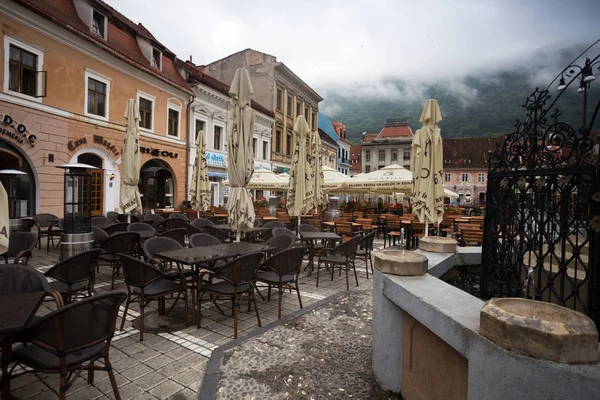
(74, 275)
(342, 256)
(20, 246)
(114, 246)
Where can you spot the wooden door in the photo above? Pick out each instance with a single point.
(97, 183)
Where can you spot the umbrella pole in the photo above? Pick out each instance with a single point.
(238, 236)
(426, 227)
(128, 218)
(197, 214)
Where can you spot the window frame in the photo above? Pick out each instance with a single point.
(105, 33)
(178, 109)
(480, 177)
(221, 137)
(379, 158)
(298, 107)
(279, 99)
(254, 145)
(289, 110)
(447, 177)
(394, 155)
(152, 99)
(367, 155)
(278, 137)
(159, 67)
(205, 122)
(265, 150)
(367, 169)
(100, 78)
(40, 63)
(312, 122)
(462, 177)
(288, 144)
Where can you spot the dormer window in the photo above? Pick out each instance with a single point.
(156, 58)
(98, 24)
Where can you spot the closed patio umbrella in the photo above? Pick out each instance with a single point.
(317, 167)
(200, 191)
(131, 202)
(427, 167)
(301, 188)
(4, 222)
(241, 157)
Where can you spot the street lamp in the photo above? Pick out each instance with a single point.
(586, 76)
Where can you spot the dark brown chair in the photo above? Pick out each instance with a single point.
(200, 223)
(238, 279)
(72, 339)
(18, 279)
(113, 216)
(222, 235)
(20, 246)
(155, 219)
(101, 221)
(176, 234)
(365, 248)
(74, 275)
(100, 236)
(146, 283)
(46, 226)
(26, 224)
(178, 216)
(114, 246)
(128, 218)
(173, 223)
(280, 243)
(343, 256)
(282, 270)
(114, 228)
(203, 240)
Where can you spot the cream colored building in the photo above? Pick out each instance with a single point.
(278, 89)
(329, 150)
(391, 146)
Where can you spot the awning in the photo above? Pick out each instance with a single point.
(213, 174)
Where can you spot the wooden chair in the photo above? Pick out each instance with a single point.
(284, 217)
(341, 219)
(417, 231)
(316, 222)
(346, 230)
(471, 236)
(357, 214)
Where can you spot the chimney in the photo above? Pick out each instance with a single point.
(190, 58)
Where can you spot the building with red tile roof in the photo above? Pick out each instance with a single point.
(390, 146)
(355, 160)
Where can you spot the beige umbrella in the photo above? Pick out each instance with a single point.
(301, 188)
(200, 191)
(263, 179)
(390, 179)
(131, 203)
(450, 194)
(4, 222)
(241, 156)
(317, 167)
(427, 167)
(332, 179)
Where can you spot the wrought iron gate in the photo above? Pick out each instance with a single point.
(543, 210)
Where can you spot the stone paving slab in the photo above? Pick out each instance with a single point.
(323, 351)
(171, 365)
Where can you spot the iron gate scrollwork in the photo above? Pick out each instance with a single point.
(543, 211)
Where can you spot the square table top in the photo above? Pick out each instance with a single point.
(195, 255)
(319, 235)
(17, 310)
(241, 248)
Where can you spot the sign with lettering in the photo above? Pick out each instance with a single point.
(97, 139)
(215, 159)
(17, 131)
(157, 152)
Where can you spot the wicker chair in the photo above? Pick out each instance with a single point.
(282, 270)
(20, 246)
(18, 279)
(365, 248)
(47, 221)
(200, 223)
(146, 283)
(72, 339)
(113, 216)
(114, 228)
(74, 275)
(176, 234)
(156, 219)
(218, 233)
(280, 243)
(101, 221)
(178, 216)
(114, 246)
(203, 240)
(173, 223)
(307, 228)
(342, 255)
(238, 279)
(27, 224)
(274, 224)
(139, 227)
(287, 232)
(128, 218)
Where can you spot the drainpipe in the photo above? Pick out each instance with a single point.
(190, 137)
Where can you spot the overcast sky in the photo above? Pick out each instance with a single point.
(332, 44)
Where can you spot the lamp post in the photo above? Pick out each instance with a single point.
(585, 75)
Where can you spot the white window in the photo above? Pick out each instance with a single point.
(218, 137)
(97, 95)
(98, 24)
(465, 178)
(480, 177)
(200, 126)
(156, 58)
(447, 177)
(22, 69)
(265, 150)
(146, 107)
(173, 120)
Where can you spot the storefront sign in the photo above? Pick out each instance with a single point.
(17, 131)
(215, 159)
(74, 144)
(157, 152)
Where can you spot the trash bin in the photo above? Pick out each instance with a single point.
(75, 243)
(333, 208)
(272, 206)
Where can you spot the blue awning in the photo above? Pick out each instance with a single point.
(214, 174)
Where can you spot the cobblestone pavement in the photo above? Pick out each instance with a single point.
(171, 365)
(325, 353)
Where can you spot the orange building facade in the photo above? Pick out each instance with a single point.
(68, 69)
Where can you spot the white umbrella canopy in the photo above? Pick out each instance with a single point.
(390, 179)
(317, 171)
(301, 187)
(131, 202)
(332, 179)
(4, 222)
(200, 191)
(263, 179)
(241, 157)
(450, 194)
(427, 167)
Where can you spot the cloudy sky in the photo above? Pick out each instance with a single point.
(334, 44)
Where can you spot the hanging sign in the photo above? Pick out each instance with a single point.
(17, 131)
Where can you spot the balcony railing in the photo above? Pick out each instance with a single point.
(342, 160)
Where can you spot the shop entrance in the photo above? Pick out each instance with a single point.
(157, 186)
(97, 181)
(19, 188)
